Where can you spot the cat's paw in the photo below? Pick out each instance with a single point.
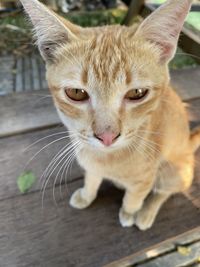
(126, 219)
(144, 219)
(78, 200)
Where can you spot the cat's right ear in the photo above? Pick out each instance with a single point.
(51, 31)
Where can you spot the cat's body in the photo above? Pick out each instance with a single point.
(111, 88)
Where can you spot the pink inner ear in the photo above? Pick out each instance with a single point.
(167, 50)
(164, 25)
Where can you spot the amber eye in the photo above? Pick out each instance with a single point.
(136, 94)
(77, 94)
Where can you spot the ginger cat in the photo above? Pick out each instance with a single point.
(111, 88)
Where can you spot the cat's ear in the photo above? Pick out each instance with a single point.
(164, 25)
(50, 30)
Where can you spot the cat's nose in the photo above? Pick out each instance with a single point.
(107, 138)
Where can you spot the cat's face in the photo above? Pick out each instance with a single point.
(105, 85)
(107, 82)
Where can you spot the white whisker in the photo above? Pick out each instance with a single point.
(43, 138)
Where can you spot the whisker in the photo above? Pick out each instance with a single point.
(54, 160)
(43, 149)
(77, 150)
(45, 183)
(42, 98)
(66, 164)
(43, 138)
(53, 167)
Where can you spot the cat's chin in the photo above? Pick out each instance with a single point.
(99, 148)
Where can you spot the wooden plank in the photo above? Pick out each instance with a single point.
(19, 75)
(166, 247)
(186, 82)
(6, 75)
(27, 111)
(191, 238)
(62, 236)
(14, 159)
(43, 82)
(35, 73)
(143, 255)
(28, 86)
(176, 259)
(43, 77)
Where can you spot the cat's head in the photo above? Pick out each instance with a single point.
(107, 82)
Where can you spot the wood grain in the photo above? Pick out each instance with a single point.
(25, 112)
(14, 159)
(61, 236)
(186, 82)
(156, 252)
(176, 259)
(6, 74)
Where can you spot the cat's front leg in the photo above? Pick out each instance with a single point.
(132, 202)
(146, 216)
(130, 205)
(84, 196)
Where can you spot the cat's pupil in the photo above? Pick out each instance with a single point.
(136, 94)
(77, 94)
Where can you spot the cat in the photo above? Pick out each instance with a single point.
(111, 88)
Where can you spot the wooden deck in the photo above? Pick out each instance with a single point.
(22, 74)
(57, 235)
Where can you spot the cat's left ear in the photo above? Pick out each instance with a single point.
(164, 25)
(51, 31)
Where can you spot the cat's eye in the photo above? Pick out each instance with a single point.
(136, 94)
(76, 94)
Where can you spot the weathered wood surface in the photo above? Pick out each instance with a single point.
(30, 74)
(176, 258)
(14, 158)
(6, 74)
(165, 248)
(33, 110)
(26, 111)
(22, 74)
(186, 82)
(61, 236)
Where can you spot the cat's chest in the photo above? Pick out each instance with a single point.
(114, 168)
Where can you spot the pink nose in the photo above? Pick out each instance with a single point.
(107, 138)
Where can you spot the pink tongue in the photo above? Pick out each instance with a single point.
(107, 138)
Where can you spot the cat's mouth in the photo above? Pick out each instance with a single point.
(103, 145)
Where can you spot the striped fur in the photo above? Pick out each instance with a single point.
(153, 158)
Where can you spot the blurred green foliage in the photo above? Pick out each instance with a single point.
(20, 40)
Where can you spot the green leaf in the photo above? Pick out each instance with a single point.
(25, 181)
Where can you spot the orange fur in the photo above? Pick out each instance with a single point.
(154, 156)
